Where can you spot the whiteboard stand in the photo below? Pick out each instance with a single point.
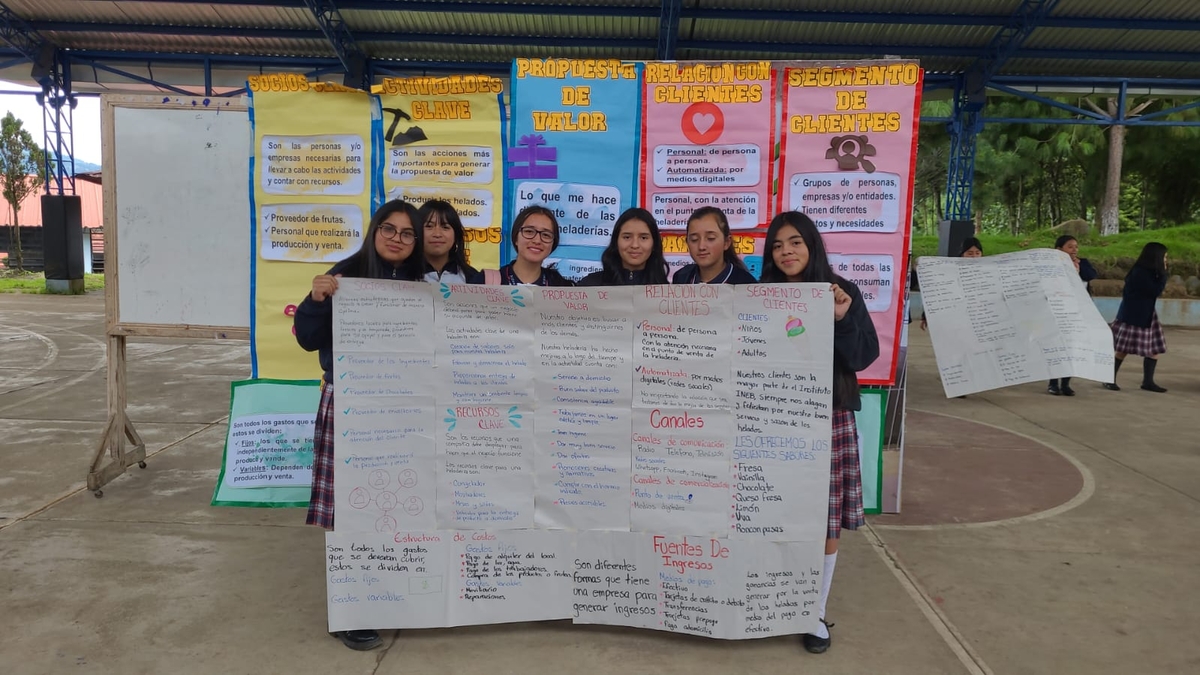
(176, 211)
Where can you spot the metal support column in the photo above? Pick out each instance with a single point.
(668, 29)
(58, 117)
(348, 52)
(970, 97)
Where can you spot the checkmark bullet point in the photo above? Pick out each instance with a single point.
(346, 390)
(345, 433)
(638, 368)
(341, 357)
(346, 411)
(342, 376)
(349, 459)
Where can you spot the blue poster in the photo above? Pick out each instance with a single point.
(573, 148)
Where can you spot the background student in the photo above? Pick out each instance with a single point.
(634, 255)
(1069, 245)
(1137, 330)
(445, 242)
(534, 235)
(710, 244)
(391, 249)
(795, 252)
(971, 248)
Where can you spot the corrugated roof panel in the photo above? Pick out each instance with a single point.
(163, 14)
(493, 53)
(1102, 68)
(167, 44)
(501, 24)
(983, 7)
(1146, 9)
(1105, 39)
(840, 33)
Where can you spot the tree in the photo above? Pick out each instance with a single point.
(22, 173)
(1110, 207)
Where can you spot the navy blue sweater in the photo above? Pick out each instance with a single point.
(1142, 288)
(732, 274)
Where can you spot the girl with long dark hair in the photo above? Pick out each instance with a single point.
(445, 243)
(795, 252)
(634, 255)
(391, 249)
(1137, 330)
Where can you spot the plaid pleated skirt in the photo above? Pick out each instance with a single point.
(1139, 341)
(320, 504)
(845, 477)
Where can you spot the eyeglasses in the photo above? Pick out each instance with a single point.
(531, 232)
(389, 231)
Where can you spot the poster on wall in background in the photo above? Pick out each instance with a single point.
(849, 146)
(708, 140)
(443, 139)
(268, 445)
(312, 180)
(574, 149)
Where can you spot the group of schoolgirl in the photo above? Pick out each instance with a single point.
(410, 244)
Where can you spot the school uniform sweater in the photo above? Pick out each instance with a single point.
(855, 346)
(450, 274)
(314, 320)
(628, 278)
(1142, 288)
(732, 274)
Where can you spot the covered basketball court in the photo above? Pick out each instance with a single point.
(1038, 535)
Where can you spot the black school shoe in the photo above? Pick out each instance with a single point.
(1053, 390)
(818, 645)
(359, 640)
(1067, 390)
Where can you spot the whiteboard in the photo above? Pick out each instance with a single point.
(182, 215)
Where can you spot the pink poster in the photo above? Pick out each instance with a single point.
(849, 148)
(707, 136)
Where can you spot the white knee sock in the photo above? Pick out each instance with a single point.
(826, 582)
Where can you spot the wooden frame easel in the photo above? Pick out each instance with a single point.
(119, 429)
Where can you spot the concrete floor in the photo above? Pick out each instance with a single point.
(151, 579)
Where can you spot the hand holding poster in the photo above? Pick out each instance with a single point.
(849, 147)
(1010, 319)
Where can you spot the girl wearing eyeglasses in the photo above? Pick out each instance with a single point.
(445, 243)
(535, 236)
(795, 252)
(634, 255)
(710, 244)
(390, 250)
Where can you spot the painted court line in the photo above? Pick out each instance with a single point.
(1085, 493)
(949, 634)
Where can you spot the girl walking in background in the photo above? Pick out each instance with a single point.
(1136, 330)
(795, 252)
(391, 249)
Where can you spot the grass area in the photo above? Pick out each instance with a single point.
(1183, 244)
(36, 282)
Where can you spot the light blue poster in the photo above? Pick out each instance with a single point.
(573, 148)
(269, 444)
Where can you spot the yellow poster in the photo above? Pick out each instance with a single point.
(312, 182)
(442, 140)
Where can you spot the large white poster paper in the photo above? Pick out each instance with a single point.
(1013, 318)
(383, 417)
(640, 456)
